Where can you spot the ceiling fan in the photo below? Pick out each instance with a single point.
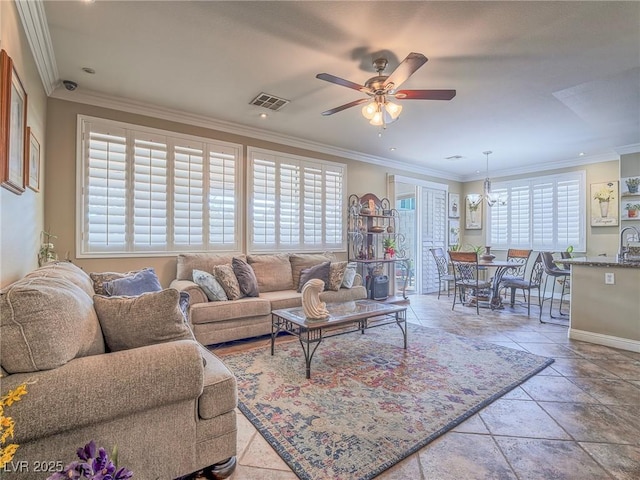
(379, 109)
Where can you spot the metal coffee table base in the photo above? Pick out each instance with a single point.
(311, 332)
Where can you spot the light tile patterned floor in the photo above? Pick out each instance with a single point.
(578, 419)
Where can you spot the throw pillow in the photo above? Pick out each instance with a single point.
(336, 274)
(184, 305)
(349, 275)
(246, 277)
(225, 276)
(211, 287)
(143, 281)
(150, 318)
(320, 272)
(99, 278)
(305, 260)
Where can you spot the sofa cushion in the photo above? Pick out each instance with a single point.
(305, 260)
(283, 299)
(272, 271)
(202, 261)
(246, 278)
(213, 312)
(140, 282)
(100, 278)
(44, 323)
(219, 394)
(336, 274)
(349, 275)
(150, 318)
(225, 276)
(344, 294)
(320, 272)
(211, 287)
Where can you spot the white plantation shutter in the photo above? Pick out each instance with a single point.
(143, 192)
(105, 188)
(149, 193)
(544, 213)
(296, 203)
(433, 208)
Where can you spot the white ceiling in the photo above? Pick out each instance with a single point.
(537, 82)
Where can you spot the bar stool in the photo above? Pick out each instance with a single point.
(556, 273)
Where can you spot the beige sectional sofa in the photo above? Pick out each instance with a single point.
(169, 406)
(278, 281)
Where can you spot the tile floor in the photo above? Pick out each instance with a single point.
(577, 419)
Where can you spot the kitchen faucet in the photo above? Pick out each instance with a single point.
(623, 251)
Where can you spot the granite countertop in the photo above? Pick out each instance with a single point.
(600, 262)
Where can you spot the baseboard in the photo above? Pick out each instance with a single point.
(607, 340)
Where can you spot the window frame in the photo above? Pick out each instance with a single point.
(555, 179)
(172, 138)
(280, 158)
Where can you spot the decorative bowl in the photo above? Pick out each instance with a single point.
(376, 229)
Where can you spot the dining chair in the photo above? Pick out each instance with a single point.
(444, 277)
(556, 273)
(465, 273)
(520, 258)
(534, 283)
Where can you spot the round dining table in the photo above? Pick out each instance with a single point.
(501, 268)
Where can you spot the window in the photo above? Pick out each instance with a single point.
(295, 203)
(148, 192)
(544, 213)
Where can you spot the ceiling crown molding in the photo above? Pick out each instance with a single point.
(34, 22)
(627, 149)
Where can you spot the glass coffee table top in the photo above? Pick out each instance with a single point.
(339, 312)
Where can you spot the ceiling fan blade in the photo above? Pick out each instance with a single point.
(345, 106)
(341, 81)
(425, 94)
(408, 66)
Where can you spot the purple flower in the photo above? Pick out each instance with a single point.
(88, 452)
(93, 467)
(123, 474)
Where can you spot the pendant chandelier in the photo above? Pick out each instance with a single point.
(490, 197)
(380, 111)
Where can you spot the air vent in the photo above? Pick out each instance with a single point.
(270, 102)
(453, 157)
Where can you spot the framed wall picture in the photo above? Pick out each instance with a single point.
(454, 232)
(32, 173)
(454, 205)
(473, 212)
(14, 113)
(604, 204)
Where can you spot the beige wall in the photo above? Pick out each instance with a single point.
(600, 240)
(22, 216)
(60, 208)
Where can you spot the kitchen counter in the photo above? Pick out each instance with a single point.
(605, 302)
(600, 262)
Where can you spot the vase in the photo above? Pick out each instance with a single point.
(488, 256)
(604, 209)
(632, 188)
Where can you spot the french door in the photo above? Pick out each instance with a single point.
(432, 233)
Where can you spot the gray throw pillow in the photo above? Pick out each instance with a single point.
(320, 272)
(140, 282)
(150, 318)
(246, 277)
(211, 287)
(349, 275)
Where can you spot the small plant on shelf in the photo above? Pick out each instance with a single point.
(389, 245)
(632, 209)
(632, 184)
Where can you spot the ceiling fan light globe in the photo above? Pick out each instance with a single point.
(393, 109)
(369, 110)
(377, 119)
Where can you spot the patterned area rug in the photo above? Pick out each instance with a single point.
(369, 403)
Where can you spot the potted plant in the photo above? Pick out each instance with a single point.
(632, 209)
(632, 184)
(389, 245)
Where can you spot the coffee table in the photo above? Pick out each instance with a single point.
(344, 317)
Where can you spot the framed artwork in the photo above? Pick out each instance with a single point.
(473, 212)
(604, 204)
(454, 205)
(32, 173)
(14, 123)
(454, 232)
(630, 186)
